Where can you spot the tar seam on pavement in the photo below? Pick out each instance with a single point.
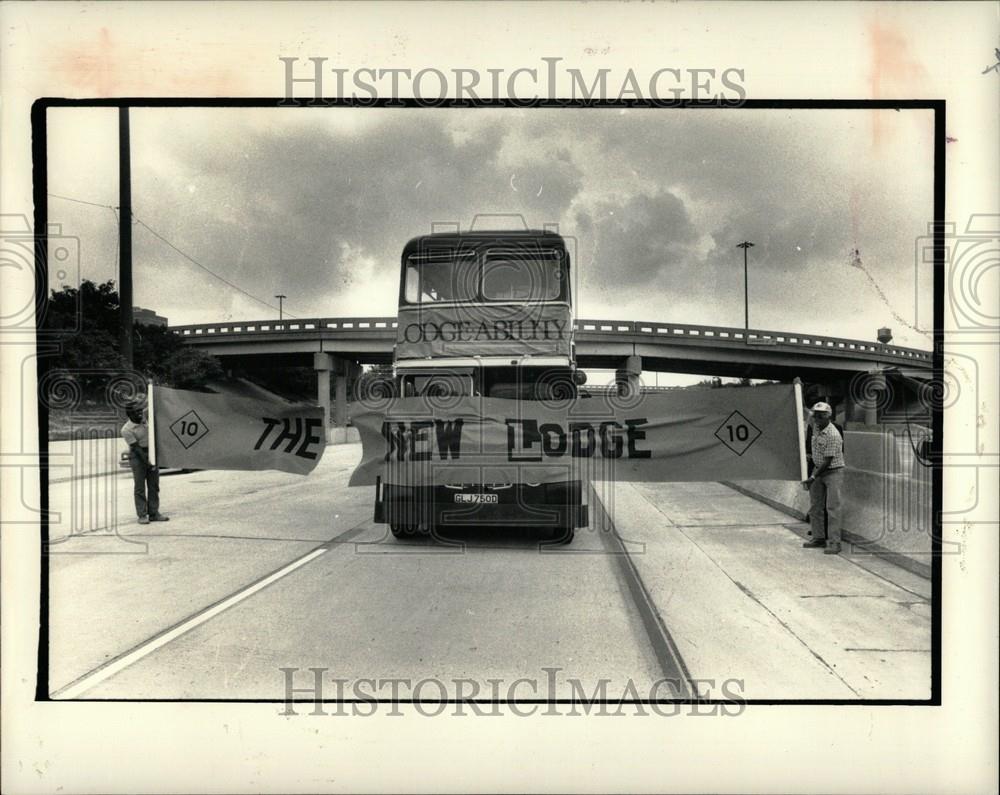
(665, 649)
(751, 595)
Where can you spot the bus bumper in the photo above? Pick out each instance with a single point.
(546, 505)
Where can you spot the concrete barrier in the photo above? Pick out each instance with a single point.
(85, 456)
(336, 434)
(887, 511)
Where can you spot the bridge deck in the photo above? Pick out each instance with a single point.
(599, 343)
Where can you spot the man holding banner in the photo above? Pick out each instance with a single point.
(145, 474)
(825, 482)
(208, 431)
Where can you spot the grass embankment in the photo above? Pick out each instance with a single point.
(95, 422)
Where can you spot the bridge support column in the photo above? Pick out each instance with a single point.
(343, 371)
(854, 411)
(628, 377)
(323, 364)
(864, 395)
(340, 395)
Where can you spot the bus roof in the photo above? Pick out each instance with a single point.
(485, 237)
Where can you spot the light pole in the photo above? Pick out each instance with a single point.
(281, 299)
(746, 244)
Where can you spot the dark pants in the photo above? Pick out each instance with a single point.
(147, 482)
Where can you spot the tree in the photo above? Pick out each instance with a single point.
(92, 355)
(89, 349)
(188, 368)
(92, 307)
(161, 355)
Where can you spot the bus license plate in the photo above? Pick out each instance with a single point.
(476, 499)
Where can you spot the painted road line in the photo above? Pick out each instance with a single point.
(667, 654)
(113, 667)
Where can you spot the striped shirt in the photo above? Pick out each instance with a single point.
(828, 442)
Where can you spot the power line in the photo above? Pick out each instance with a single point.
(114, 211)
(80, 201)
(171, 245)
(203, 267)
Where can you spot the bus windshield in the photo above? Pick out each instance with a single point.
(439, 280)
(502, 277)
(520, 278)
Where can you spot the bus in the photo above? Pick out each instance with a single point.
(485, 314)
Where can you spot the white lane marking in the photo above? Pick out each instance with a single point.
(99, 675)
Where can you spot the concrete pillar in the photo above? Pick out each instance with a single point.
(340, 395)
(873, 392)
(868, 411)
(322, 364)
(864, 396)
(851, 409)
(629, 375)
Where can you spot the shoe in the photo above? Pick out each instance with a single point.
(143, 520)
(815, 543)
(833, 548)
(159, 517)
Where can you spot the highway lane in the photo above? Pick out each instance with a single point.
(365, 611)
(367, 605)
(112, 589)
(262, 571)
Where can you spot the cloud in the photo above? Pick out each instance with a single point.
(317, 204)
(296, 210)
(640, 242)
(806, 187)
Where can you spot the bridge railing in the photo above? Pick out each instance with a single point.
(751, 337)
(251, 327)
(647, 329)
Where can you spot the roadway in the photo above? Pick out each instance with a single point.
(261, 571)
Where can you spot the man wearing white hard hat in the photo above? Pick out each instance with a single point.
(826, 481)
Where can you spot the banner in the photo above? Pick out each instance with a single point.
(749, 433)
(199, 431)
(484, 330)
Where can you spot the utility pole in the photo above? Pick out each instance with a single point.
(124, 237)
(281, 305)
(746, 244)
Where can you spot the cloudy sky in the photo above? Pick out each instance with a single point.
(317, 204)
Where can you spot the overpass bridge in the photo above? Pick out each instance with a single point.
(338, 346)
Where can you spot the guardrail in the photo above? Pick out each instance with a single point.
(687, 332)
(751, 337)
(353, 324)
